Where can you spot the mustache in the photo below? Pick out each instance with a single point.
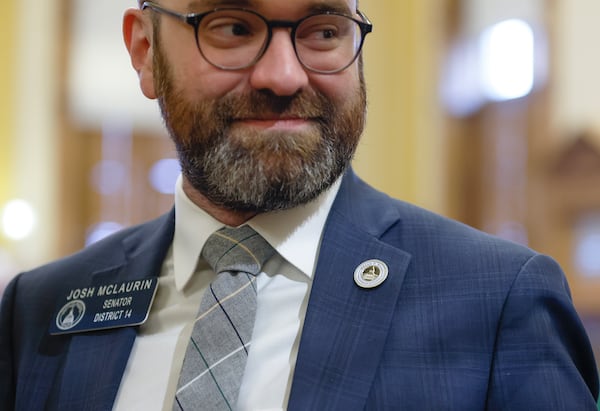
(258, 104)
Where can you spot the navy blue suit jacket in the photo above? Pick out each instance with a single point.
(465, 321)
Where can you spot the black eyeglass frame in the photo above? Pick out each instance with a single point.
(194, 19)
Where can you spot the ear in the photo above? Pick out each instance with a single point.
(137, 33)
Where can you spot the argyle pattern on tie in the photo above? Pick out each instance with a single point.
(216, 355)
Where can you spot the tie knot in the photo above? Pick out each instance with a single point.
(236, 249)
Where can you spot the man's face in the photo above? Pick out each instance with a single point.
(268, 137)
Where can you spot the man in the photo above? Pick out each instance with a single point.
(367, 303)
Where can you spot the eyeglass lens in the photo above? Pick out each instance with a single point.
(234, 39)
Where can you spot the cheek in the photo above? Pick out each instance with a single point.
(339, 87)
(195, 78)
(198, 79)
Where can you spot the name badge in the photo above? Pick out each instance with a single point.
(100, 307)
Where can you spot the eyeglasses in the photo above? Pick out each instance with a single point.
(235, 38)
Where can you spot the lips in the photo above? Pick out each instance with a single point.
(275, 122)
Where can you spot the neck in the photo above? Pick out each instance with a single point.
(227, 216)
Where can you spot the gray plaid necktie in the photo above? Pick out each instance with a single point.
(216, 355)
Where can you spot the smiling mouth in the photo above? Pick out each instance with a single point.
(277, 122)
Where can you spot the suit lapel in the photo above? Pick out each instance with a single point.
(95, 361)
(346, 326)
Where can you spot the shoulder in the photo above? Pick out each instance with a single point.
(109, 252)
(432, 240)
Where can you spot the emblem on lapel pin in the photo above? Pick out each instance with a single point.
(370, 274)
(70, 315)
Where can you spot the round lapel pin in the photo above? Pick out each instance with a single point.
(370, 274)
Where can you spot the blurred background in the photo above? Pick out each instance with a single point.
(486, 111)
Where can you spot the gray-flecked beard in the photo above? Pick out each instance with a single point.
(249, 169)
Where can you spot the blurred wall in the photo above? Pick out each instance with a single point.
(402, 151)
(7, 112)
(576, 86)
(29, 100)
(7, 96)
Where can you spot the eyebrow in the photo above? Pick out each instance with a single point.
(213, 4)
(330, 6)
(313, 8)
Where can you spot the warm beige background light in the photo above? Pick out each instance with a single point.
(402, 149)
(7, 40)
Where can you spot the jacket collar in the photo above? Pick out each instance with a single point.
(346, 326)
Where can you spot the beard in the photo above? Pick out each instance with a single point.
(257, 170)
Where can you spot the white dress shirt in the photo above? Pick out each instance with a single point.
(283, 288)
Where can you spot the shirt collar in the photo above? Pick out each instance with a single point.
(294, 233)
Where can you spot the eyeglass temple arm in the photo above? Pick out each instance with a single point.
(148, 4)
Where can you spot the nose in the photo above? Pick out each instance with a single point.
(279, 69)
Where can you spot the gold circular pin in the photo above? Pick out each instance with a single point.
(370, 274)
